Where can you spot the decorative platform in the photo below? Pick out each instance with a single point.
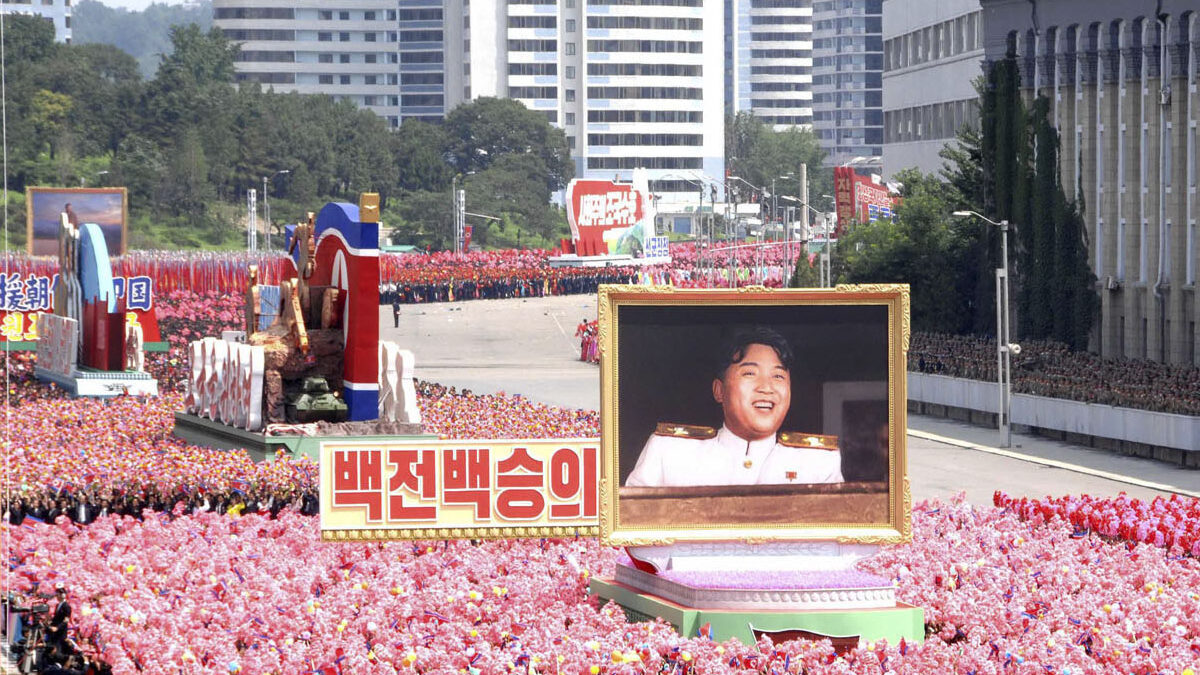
(844, 626)
(203, 431)
(795, 590)
(101, 383)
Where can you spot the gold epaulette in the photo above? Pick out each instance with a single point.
(795, 439)
(694, 431)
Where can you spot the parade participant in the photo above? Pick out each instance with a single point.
(753, 387)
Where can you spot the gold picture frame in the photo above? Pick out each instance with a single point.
(848, 380)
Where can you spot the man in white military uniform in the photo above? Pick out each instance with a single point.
(755, 391)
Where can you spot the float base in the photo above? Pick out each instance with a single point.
(844, 627)
(101, 383)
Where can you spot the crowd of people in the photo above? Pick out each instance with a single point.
(1049, 368)
(489, 275)
(85, 506)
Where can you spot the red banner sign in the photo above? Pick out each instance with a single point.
(595, 206)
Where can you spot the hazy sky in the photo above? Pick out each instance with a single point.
(138, 4)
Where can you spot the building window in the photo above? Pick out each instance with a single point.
(570, 94)
(325, 58)
(391, 15)
(570, 25)
(344, 37)
(570, 72)
(370, 37)
(368, 16)
(325, 79)
(570, 49)
(343, 58)
(344, 16)
(325, 15)
(570, 118)
(324, 37)
(370, 79)
(369, 58)
(344, 79)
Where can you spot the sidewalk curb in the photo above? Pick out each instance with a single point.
(1053, 463)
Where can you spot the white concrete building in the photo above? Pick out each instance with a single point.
(932, 56)
(56, 11)
(348, 51)
(632, 84)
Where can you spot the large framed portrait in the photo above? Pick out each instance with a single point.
(106, 207)
(753, 414)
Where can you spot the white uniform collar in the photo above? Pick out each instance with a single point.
(753, 449)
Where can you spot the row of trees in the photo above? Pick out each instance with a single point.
(188, 143)
(1006, 170)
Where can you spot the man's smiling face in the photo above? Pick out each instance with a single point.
(756, 392)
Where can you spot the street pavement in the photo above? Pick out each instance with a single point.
(528, 346)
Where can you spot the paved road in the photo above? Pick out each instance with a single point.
(528, 347)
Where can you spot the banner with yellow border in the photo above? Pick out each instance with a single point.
(456, 489)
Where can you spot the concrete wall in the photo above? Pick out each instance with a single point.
(1161, 435)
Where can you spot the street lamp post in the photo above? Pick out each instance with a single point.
(1004, 347)
(267, 205)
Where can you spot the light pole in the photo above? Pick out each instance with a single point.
(1004, 347)
(267, 205)
(460, 208)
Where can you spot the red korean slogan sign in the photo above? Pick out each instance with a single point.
(859, 199)
(443, 489)
(595, 206)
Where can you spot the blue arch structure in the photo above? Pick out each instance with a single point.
(95, 270)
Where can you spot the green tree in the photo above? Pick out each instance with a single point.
(923, 247)
(512, 188)
(419, 152)
(759, 155)
(1055, 288)
(484, 130)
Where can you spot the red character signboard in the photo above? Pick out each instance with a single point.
(597, 206)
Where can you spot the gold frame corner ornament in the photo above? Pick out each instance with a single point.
(895, 298)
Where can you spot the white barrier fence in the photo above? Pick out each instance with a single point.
(1146, 427)
(226, 382)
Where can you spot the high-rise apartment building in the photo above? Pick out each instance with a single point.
(1121, 80)
(633, 83)
(932, 52)
(848, 81)
(57, 12)
(769, 60)
(348, 51)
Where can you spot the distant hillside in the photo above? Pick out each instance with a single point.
(145, 34)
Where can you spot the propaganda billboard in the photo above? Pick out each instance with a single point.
(860, 199)
(610, 218)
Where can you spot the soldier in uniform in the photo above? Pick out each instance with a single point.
(753, 386)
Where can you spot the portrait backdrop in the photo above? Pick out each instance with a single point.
(669, 357)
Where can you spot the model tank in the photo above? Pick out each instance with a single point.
(315, 402)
